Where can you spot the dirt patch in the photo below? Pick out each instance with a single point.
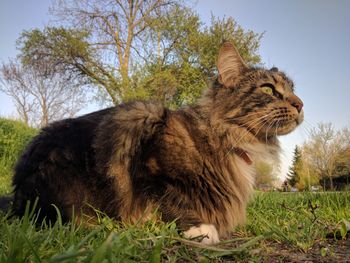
(324, 251)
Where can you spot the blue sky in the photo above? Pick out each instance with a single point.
(308, 39)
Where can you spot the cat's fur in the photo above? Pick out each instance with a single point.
(195, 165)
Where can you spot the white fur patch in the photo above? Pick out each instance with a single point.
(261, 153)
(246, 170)
(258, 153)
(209, 233)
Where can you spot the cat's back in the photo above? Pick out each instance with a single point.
(185, 142)
(64, 139)
(60, 157)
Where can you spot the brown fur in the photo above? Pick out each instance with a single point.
(192, 164)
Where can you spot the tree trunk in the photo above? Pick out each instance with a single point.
(331, 183)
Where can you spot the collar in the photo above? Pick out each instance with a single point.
(243, 154)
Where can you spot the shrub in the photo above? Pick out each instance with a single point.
(14, 136)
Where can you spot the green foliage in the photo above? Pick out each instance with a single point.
(14, 136)
(53, 44)
(301, 174)
(293, 175)
(307, 177)
(173, 61)
(342, 166)
(173, 85)
(265, 175)
(188, 62)
(68, 51)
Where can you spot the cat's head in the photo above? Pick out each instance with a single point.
(261, 100)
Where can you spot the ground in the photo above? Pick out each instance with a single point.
(324, 251)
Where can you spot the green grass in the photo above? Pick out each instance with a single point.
(298, 219)
(154, 241)
(295, 221)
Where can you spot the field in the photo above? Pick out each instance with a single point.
(281, 227)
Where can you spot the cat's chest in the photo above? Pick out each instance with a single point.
(243, 168)
(243, 160)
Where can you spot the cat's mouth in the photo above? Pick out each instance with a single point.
(290, 125)
(300, 117)
(282, 123)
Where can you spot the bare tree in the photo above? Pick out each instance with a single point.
(41, 95)
(323, 149)
(13, 86)
(116, 28)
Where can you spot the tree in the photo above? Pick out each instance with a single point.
(191, 48)
(105, 43)
(293, 175)
(130, 49)
(343, 163)
(13, 86)
(324, 149)
(307, 175)
(40, 94)
(301, 174)
(265, 174)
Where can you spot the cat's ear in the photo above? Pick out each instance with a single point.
(230, 64)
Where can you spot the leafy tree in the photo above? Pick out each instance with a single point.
(191, 53)
(307, 176)
(67, 51)
(293, 175)
(301, 174)
(136, 49)
(265, 174)
(343, 163)
(104, 43)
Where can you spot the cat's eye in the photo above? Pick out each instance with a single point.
(267, 89)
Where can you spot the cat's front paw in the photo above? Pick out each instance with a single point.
(208, 232)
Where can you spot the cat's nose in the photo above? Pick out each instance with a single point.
(295, 102)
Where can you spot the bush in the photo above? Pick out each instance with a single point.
(14, 136)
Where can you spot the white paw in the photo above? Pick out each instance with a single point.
(208, 232)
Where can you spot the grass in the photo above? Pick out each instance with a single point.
(22, 241)
(299, 219)
(299, 223)
(296, 220)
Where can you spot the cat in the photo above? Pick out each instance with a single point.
(194, 165)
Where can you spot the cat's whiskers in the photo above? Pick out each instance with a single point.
(250, 126)
(253, 124)
(277, 127)
(249, 115)
(261, 121)
(270, 124)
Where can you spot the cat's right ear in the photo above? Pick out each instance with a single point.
(230, 64)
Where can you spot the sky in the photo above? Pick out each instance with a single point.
(308, 39)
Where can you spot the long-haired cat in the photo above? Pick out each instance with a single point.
(195, 165)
